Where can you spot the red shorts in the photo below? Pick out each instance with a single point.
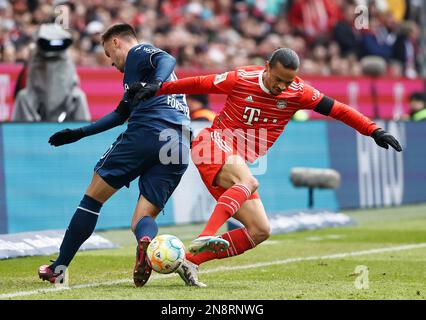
(209, 153)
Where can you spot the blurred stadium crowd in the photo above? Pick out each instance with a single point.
(230, 33)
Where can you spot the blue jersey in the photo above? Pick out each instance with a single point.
(141, 67)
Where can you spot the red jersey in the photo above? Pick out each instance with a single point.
(252, 114)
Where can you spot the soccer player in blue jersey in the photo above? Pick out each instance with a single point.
(135, 153)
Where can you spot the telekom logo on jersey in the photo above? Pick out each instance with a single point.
(251, 114)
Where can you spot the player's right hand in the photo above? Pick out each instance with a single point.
(385, 139)
(66, 136)
(141, 91)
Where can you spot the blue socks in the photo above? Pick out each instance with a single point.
(83, 224)
(146, 227)
(79, 230)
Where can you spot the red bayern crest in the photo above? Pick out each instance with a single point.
(281, 104)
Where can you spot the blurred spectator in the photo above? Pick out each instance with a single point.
(344, 32)
(228, 33)
(314, 18)
(376, 41)
(417, 104)
(198, 107)
(413, 10)
(94, 30)
(51, 91)
(397, 8)
(404, 49)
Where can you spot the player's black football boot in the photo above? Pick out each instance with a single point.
(142, 270)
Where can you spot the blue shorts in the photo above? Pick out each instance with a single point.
(158, 156)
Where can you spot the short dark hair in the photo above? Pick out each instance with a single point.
(287, 57)
(418, 96)
(119, 30)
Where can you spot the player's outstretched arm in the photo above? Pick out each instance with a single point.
(111, 120)
(209, 84)
(342, 112)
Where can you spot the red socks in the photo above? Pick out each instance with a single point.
(239, 242)
(239, 239)
(227, 204)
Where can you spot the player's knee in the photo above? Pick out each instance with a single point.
(254, 184)
(133, 226)
(260, 233)
(263, 234)
(251, 183)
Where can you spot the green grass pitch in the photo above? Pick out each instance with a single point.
(317, 264)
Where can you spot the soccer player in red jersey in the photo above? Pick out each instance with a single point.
(260, 102)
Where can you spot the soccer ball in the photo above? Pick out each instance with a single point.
(166, 253)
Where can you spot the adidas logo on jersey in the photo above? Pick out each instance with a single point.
(249, 99)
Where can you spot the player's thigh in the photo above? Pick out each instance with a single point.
(235, 170)
(99, 189)
(156, 186)
(218, 163)
(126, 159)
(253, 216)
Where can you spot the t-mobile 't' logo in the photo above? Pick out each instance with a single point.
(251, 114)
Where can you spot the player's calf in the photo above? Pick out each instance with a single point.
(259, 233)
(239, 241)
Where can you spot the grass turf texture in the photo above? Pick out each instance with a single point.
(106, 274)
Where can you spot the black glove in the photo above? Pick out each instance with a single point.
(141, 91)
(384, 140)
(66, 136)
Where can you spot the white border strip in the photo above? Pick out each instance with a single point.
(219, 269)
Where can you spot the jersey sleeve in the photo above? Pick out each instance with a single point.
(353, 118)
(209, 84)
(310, 97)
(143, 56)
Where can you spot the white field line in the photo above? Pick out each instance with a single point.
(219, 269)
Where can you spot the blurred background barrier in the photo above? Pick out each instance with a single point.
(41, 185)
(44, 243)
(103, 88)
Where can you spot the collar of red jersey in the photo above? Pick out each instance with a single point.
(261, 84)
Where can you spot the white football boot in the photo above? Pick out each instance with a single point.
(188, 271)
(208, 243)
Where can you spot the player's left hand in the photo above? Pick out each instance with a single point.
(141, 91)
(66, 136)
(385, 139)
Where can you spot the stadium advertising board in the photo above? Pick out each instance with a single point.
(40, 186)
(104, 90)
